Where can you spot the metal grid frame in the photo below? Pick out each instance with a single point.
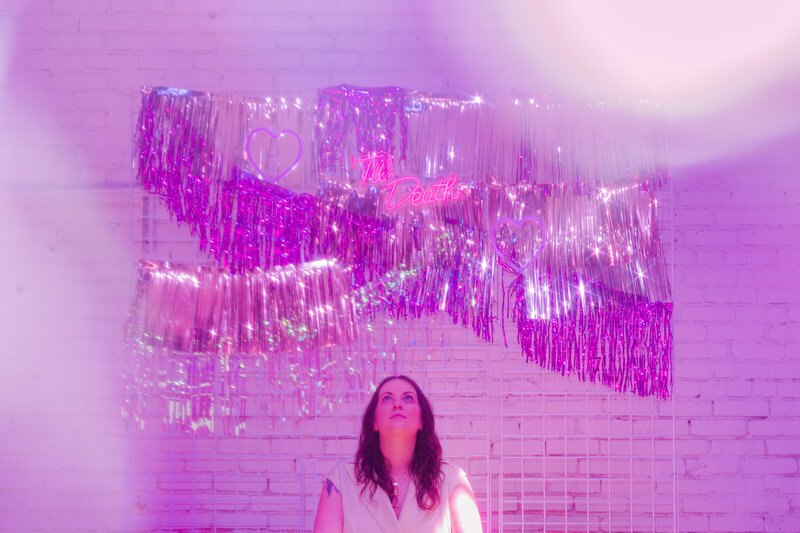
(187, 482)
(579, 457)
(179, 482)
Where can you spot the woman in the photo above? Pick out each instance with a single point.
(398, 482)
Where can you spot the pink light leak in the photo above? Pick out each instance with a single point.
(379, 169)
(721, 74)
(692, 57)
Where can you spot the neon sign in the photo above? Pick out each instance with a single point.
(517, 224)
(274, 138)
(379, 169)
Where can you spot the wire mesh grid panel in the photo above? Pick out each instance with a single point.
(577, 457)
(266, 474)
(456, 385)
(242, 479)
(268, 477)
(542, 451)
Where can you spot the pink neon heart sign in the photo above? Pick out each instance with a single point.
(273, 140)
(521, 226)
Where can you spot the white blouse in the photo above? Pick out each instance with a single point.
(363, 515)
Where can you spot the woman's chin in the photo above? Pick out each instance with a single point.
(398, 426)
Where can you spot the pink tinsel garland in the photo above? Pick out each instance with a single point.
(437, 259)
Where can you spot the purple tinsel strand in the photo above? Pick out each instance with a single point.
(371, 113)
(246, 223)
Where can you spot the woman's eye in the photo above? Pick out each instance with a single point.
(387, 398)
(408, 398)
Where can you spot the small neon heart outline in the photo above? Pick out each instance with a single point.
(517, 224)
(274, 138)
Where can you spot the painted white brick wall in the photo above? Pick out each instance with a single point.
(69, 73)
(736, 339)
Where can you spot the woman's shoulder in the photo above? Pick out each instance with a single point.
(344, 467)
(452, 472)
(341, 471)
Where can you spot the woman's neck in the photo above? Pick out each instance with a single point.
(398, 450)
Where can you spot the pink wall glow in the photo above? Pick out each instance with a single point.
(727, 75)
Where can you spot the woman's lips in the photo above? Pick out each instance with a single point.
(398, 415)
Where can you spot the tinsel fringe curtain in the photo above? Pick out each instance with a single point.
(578, 268)
(201, 334)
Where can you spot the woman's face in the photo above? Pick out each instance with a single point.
(398, 408)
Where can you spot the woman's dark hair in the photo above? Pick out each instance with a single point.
(426, 464)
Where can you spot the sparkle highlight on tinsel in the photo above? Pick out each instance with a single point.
(552, 227)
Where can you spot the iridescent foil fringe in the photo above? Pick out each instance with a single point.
(202, 337)
(595, 190)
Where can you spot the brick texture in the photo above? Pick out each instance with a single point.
(69, 76)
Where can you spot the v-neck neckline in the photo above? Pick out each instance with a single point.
(405, 498)
(411, 494)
